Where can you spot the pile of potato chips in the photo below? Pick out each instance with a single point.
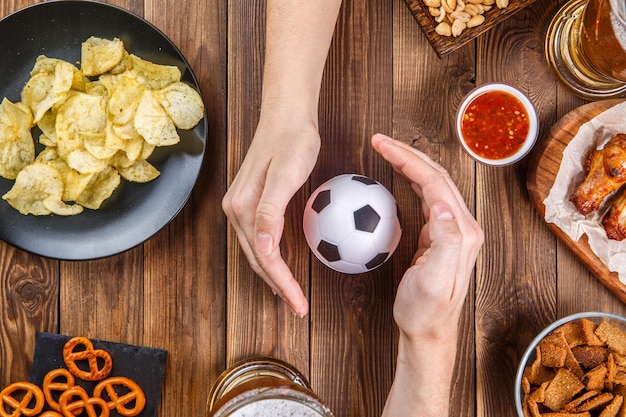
(99, 123)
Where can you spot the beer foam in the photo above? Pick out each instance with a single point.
(275, 408)
(618, 21)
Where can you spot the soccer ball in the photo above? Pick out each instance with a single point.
(351, 223)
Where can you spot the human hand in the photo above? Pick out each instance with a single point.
(280, 159)
(432, 291)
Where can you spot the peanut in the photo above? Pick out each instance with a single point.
(454, 16)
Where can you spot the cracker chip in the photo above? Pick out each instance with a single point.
(599, 392)
(562, 389)
(612, 336)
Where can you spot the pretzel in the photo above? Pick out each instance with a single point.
(51, 384)
(84, 403)
(91, 355)
(50, 413)
(22, 406)
(118, 402)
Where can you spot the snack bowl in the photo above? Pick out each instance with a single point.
(530, 355)
(496, 124)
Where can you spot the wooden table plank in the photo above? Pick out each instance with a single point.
(190, 290)
(351, 314)
(258, 323)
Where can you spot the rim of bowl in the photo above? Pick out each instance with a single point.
(530, 350)
(533, 130)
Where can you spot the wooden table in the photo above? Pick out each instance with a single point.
(190, 290)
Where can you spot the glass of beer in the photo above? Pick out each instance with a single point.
(586, 47)
(263, 387)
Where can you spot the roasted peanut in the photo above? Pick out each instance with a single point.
(454, 16)
(444, 29)
(477, 20)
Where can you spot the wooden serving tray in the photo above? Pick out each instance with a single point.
(444, 45)
(542, 170)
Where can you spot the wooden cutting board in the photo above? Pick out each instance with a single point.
(542, 170)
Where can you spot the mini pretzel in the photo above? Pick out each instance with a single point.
(91, 355)
(21, 406)
(118, 402)
(51, 383)
(50, 413)
(84, 404)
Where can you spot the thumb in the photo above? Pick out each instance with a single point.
(446, 239)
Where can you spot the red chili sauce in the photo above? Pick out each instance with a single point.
(495, 124)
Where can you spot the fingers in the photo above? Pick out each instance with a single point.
(432, 184)
(432, 181)
(259, 232)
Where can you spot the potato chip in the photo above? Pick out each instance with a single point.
(95, 144)
(153, 123)
(151, 75)
(125, 64)
(83, 113)
(124, 100)
(74, 183)
(183, 104)
(100, 55)
(47, 125)
(134, 148)
(45, 89)
(140, 171)
(84, 162)
(16, 142)
(48, 65)
(99, 188)
(95, 130)
(56, 206)
(35, 183)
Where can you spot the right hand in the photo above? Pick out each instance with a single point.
(280, 159)
(431, 294)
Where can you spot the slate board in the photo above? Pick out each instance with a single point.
(144, 365)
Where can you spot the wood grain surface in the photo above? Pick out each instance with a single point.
(542, 172)
(190, 290)
(444, 45)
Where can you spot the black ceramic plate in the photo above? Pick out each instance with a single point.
(135, 211)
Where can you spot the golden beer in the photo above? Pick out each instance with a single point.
(263, 387)
(586, 47)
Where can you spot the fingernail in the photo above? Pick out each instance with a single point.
(442, 211)
(263, 243)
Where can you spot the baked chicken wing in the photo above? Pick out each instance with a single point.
(615, 220)
(606, 172)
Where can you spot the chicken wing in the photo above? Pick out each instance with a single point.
(606, 173)
(615, 220)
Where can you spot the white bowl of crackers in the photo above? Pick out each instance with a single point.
(575, 367)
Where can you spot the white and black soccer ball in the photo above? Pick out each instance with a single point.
(351, 223)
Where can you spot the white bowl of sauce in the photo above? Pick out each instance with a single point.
(497, 124)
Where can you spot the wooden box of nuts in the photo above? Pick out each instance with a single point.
(450, 24)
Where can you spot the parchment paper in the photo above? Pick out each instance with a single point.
(561, 212)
